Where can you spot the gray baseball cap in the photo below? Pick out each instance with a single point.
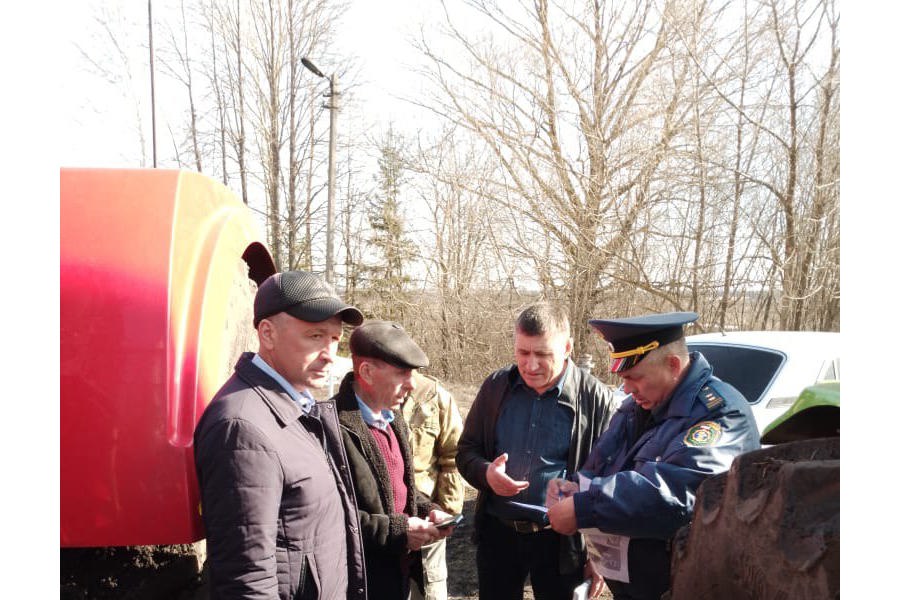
(303, 295)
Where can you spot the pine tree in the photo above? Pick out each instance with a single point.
(387, 279)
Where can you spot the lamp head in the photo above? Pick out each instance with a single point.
(308, 64)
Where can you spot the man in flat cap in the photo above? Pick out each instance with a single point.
(679, 425)
(396, 519)
(530, 422)
(276, 499)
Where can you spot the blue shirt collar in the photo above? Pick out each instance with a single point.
(304, 399)
(379, 420)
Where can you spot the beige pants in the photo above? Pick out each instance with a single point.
(434, 567)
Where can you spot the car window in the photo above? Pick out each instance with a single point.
(750, 370)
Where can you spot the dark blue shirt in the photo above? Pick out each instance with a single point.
(535, 430)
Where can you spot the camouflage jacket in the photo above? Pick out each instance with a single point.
(435, 426)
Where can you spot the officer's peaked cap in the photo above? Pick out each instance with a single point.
(632, 338)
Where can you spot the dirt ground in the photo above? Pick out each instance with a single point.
(173, 573)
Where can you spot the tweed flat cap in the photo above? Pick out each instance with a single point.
(303, 295)
(387, 341)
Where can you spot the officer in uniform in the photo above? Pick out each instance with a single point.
(678, 425)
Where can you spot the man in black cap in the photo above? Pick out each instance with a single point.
(396, 519)
(276, 500)
(679, 425)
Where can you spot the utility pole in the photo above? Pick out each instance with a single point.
(152, 87)
(332, 136)
(329, 228)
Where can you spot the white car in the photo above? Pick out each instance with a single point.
(770, 368)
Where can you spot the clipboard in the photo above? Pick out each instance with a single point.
(532, 512)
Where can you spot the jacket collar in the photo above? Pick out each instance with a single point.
(351, 418)
(349, 414)
(276, 398)
(682, 401)
(304, 398)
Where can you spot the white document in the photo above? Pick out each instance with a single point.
(607, 552)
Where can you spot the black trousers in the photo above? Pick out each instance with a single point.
(505, 558)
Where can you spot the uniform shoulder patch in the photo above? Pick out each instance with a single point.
(707, 433)
(711, 399)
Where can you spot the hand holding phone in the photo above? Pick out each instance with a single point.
(452, 521)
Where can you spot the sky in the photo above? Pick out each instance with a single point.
(98, 123)
(40, 105)
(98, 120)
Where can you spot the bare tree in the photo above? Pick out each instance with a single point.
(262, 93)
(214, 78)
(823, 203)
(225, 21)
(580, 109)
(176, 62)
(267, 23)
(114, 63)
(616, 157)
(456, 251)
(794, 119)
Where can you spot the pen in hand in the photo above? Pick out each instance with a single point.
(559, 493)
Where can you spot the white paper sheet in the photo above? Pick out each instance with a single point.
(607, 552)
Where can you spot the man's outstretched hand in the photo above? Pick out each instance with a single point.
(499, 481)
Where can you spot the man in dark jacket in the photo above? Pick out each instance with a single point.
(678, 426)
(395, 518)
(530, 422)
(276, 500)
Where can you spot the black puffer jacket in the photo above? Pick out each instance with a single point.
(280, 516)
(383, 530)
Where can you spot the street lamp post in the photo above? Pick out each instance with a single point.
(333, 107)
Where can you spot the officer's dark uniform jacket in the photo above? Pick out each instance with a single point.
(646, 489)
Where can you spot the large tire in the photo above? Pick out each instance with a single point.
(768, 528)
(239, 334)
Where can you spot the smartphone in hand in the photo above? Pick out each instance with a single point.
(454, 520)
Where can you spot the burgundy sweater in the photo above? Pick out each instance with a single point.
(387, 444)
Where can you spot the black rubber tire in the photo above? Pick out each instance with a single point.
(768, 528)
